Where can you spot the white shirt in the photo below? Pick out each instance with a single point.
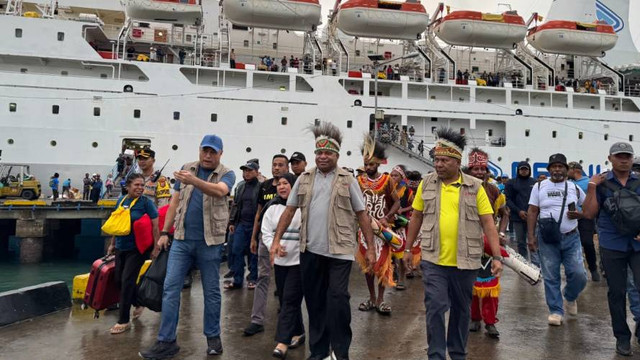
(549, 199)
(290, 241)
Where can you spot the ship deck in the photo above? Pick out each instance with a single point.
(74, 334)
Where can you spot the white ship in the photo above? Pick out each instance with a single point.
(73, 94)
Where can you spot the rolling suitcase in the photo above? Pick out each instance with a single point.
(102, 290)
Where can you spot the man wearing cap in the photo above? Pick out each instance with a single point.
(618, 251)
(586, 227)
(451, 213)
(518, 192)
(146, 159)
(553, 207)
(298, 163)
(243, 213)
(199, 209)
(330, 201)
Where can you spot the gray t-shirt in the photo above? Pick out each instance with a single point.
(317, 227)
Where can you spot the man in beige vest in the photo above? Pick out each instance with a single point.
(451, 213)
(332, 207)
(200, 208)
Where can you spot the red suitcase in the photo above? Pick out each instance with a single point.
(102, 291)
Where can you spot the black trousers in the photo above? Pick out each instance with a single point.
(56, 194)
(587, 228)
(325, 284)
(615, 264)
(128, 264)
(289, 287)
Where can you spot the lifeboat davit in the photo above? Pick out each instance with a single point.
(573, 38)
(382, 19)
(295, 15)
(175, 11)
(477, 29)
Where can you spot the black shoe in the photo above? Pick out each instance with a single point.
(474, 326)
(229, 274)
(160, 350)
(277, 353)
(253, 329)
(214, 346)
(188, 280)
(595, 276)
(623, 347)
(492, 332)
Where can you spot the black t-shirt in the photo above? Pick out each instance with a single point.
(267, 192)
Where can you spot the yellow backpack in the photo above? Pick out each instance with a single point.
(119, 222)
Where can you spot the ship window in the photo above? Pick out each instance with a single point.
(23, 70)
(53, 143)
(64, 73)
(433, 129)
(348, 153)
(96, 111)
(606, 137)
(94, 144)
(461, 131)
(275, 46)
(527, 132)
(246, 43)
(630, 138)
(283, 120)
(214, 117)
(357, 52)
(18, 32)
(136, 113)
(349, 124)
(10, 141)
(174, 147)
(176, 115)
(188, 38)
(13, 107)
(490, 131)
(283, 151)
(434, 119)
(580, 135)
(249, 119)
(248, 149)
(55, 109)
(316, 122)
(103, 76)
(554, 134)
(60, 36)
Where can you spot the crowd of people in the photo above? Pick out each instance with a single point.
(306, 226)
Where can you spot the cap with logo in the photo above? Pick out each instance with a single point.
(146, 153)
(297, 156)
(212, 141)
(621, 148)
(250, 165)
(557, 159)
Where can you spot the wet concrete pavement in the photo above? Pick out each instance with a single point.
(74, 334)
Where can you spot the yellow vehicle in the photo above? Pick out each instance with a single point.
(16, 181)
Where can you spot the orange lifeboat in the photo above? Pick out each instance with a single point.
(382, 19)
(573, 38)
(295, 15)
(477, 29)
(175, 11)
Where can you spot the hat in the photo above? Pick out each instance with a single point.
(575, 165)
(621, 148)
(146, 153)
(212, 141)
(557, 159)
(478, 157)
(250, 165)
(504, 176)
(297, 156)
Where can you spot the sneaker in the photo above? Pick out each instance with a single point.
(474, 326)
(160, 350)
(555, 319)
(492, 332)
(571, 307)
(623, 347)
(253, 329)
(595, 276)
(214, 346)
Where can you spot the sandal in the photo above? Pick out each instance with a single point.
(119, 328)
(384, 308)
(232, 286)
(251, 285)
(137, 312)
(366, 305)
(400, 286)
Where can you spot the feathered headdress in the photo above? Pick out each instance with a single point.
(413, 179)
(478, 157)
(373, 150)
(450, 143)
(328, 136)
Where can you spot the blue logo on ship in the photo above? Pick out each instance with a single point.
(606, 14)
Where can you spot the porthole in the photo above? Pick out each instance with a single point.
(64, 73)
(606, 162)
(248, 149)
(94, 144)
(581, 161)
(283, 151)
(10, 141)
(128, 88)
(53, 143)
(349, 153)
(357, 103)
(13, 107)
(499, 158)
(174, 147)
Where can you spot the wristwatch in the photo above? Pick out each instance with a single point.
(502, 234)
(499, 258)
(164, 233)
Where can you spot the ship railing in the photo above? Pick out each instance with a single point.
(173, 36)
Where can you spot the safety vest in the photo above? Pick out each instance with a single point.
(163, 191)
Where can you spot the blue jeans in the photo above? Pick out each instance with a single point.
(241, 244)
(568, 253)
(634, 297)
(182, 255)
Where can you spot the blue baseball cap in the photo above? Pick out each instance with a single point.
(212, 141)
